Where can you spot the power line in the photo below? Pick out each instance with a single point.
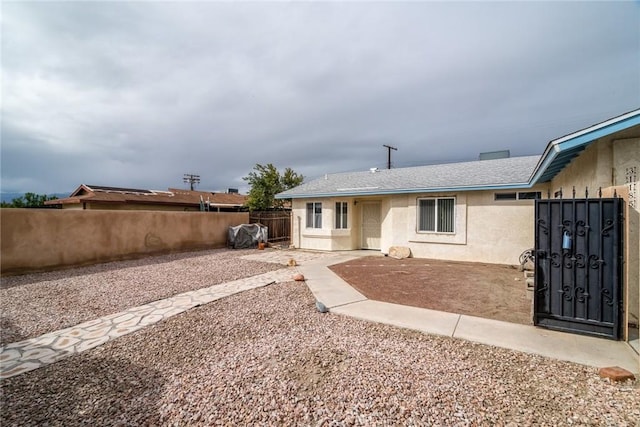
(191, 179)
(389, 148)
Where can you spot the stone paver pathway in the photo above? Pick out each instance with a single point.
(23, 356)
(282, 257)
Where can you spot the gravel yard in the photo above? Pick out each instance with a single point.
(267, 357)
(34, 304)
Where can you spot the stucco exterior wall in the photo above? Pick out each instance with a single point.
(591, 169)
(327, 238)
(606, 163)
(485, 230)
(34, 239)
(626, 164)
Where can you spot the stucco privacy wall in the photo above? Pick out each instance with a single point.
(34, 239)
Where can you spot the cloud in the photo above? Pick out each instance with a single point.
(136, 94)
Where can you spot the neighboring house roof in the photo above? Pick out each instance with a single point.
(514, 172)
(174, 197)
(215, 199)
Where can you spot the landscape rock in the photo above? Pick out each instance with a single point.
(616, 373)
(298, 277)
(321, 307)
(399, 252)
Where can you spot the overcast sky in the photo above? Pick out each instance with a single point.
(136, 94)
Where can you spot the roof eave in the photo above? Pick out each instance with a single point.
(578, 141)
(522, 185)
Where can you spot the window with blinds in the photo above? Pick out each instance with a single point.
(436, 214)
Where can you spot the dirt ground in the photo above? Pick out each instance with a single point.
(483, 290)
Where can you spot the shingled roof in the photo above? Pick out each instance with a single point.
(515, 172)
(511, 172)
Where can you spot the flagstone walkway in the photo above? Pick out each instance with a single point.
(23, 356)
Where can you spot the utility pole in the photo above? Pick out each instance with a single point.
(389, 148)
(191, 179)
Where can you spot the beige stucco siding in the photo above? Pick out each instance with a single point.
(485, 230)
(601, 165)
(327, 238)
(592, 169)
(40, 239)
(626, 164)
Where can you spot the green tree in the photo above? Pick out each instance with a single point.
(29, 200)
(266, 182)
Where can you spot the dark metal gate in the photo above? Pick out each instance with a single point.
(578, 260)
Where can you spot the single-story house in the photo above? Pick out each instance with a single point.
(110, 198)
(481, 210)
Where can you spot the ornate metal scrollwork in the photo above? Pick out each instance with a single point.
(542, 226)
(556, 259)
(608, 225)
(607, 298)
(579, 260)
(595, 262)
(567, 260)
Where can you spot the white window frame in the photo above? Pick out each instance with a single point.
(436, 215)
(341, 216)
(314, 217)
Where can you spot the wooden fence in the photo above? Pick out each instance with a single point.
(278, 222)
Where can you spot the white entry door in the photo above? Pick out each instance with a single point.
(371, 225)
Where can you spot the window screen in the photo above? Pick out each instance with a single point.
(436, 215)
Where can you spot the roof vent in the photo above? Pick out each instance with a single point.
(373, 170)
(492, 155)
